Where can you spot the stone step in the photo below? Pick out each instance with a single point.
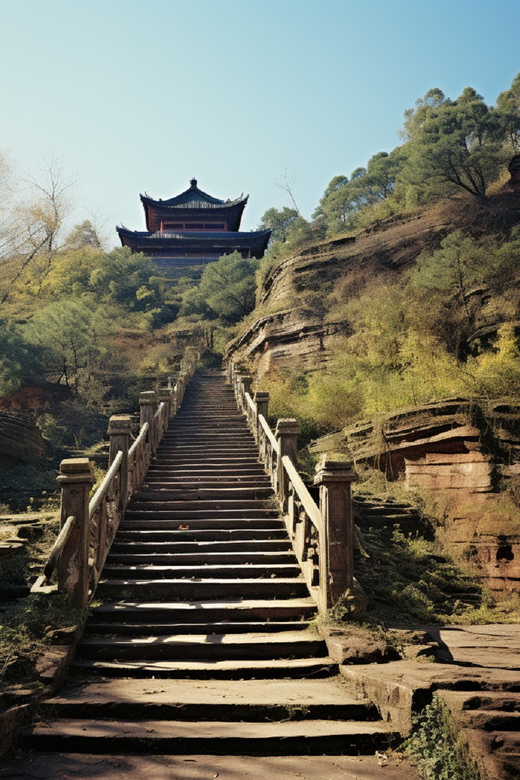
(185, 483)
(210, 474)
(204, 611)
(199, 507)
(198, 590)
(252, 646)
(245, 496)
(209, 450)
(210, 462)
(255, 533)
(226, 438)
(203, 571)
(248, 701)
(231, 547)
(209, 629)
(166, 520)
(210, 737)
(202, 559)
(286, 668)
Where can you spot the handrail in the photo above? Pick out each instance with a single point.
(102, 490)
(303, 494)
(160, 410)
(84, 542)
(322, 536)
(268, 432)
(137, 442)
(57, 547)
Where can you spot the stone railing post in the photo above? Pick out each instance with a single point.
(119, 430)
(166, 396)
(286, 433)
(336, 553)
(262, 408)
(75, 479)
(147, 409)
(244, 383)
(247, 382)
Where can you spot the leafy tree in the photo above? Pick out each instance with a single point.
(456, 146)
(227, 289)
(16, 359)
(508, 108)
(279, 221)
(69, 336)
(83, 235)
(335, 184)
(344, 197)
(425, 108)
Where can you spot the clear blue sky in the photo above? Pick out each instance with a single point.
(139, 95)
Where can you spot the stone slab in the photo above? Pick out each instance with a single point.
(71, 766)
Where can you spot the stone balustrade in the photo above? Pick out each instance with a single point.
(322, 536)
(88, 527)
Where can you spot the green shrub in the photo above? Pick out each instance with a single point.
(435, 747)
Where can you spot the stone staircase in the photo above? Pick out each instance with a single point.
(372, 511)
(203, 642)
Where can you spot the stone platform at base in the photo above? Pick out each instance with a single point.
(69, 767)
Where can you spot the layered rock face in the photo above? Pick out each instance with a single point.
(20, 441)
(460, 453)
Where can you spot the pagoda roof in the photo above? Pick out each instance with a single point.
(254, 241)
(193, 199)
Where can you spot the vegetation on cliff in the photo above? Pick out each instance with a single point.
(443, 323)
(449, 146)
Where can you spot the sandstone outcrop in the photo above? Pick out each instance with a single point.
(460, 453)
(20, 441)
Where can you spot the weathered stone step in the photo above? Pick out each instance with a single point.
(175, 629)
(207, 473)
(166, 520)
(201, 559)
(286, 668)
(210, 461)
(253, 646)
(211, 737)
(198, 507)
(209, 450)
(251, 701)
(181, 589)
(185, 483)
(255, 533)
(162, 492)
(204, 611)
(195, 438)
(134, 546)
(204, 571)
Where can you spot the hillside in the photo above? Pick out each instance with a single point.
(295, 315)
(365, 338)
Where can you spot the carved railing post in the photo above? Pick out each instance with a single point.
(119, 430)
(244, 383)
(75, 479)
(147, 409)
(286, 433)
(247, 382)
(166, 395)
(262, 408)
(336, 540)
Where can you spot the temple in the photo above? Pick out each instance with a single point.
(193, 228)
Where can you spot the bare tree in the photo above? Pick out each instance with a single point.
(31, 229)
(287, 185)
